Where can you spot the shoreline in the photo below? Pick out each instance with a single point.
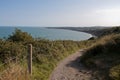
(94, 31)
(49, 37)
(92, 34)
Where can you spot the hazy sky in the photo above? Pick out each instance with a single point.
(59, 12)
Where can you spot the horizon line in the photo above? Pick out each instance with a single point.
(59, 26)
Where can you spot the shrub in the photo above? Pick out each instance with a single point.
(19, 36)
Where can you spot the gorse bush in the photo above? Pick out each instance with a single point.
(20, 36)
(10, 49)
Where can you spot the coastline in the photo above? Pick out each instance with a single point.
(96, 31)
(44, 33)
(92, 33)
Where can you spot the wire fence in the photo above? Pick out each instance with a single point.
(17, 68)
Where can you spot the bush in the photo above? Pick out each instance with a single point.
(19, 36)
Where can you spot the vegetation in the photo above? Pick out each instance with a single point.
(46, 53)
(103, 57)
(18, 36)
(108, 31)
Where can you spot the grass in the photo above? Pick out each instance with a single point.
(14, 72)
(104, 57)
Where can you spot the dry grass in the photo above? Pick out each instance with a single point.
(104, 56)
(15, 72)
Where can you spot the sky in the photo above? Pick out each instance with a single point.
(53, 13)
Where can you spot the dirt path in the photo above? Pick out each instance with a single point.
(71, 69)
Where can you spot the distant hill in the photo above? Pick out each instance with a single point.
(115, 30)
(95, 31)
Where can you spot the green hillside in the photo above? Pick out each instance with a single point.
(103, 57)
(112, 30)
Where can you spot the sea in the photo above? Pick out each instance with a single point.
(46, 33)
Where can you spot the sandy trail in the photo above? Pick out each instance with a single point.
(71, 69)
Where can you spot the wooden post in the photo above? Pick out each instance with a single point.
(30, 59)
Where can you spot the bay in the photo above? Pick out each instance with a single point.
(51, 34)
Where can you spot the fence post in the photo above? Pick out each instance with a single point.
(30, 59)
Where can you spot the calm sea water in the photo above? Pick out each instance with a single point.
(51, 34)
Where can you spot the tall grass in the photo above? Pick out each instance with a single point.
(14, 72)
(104, 56)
